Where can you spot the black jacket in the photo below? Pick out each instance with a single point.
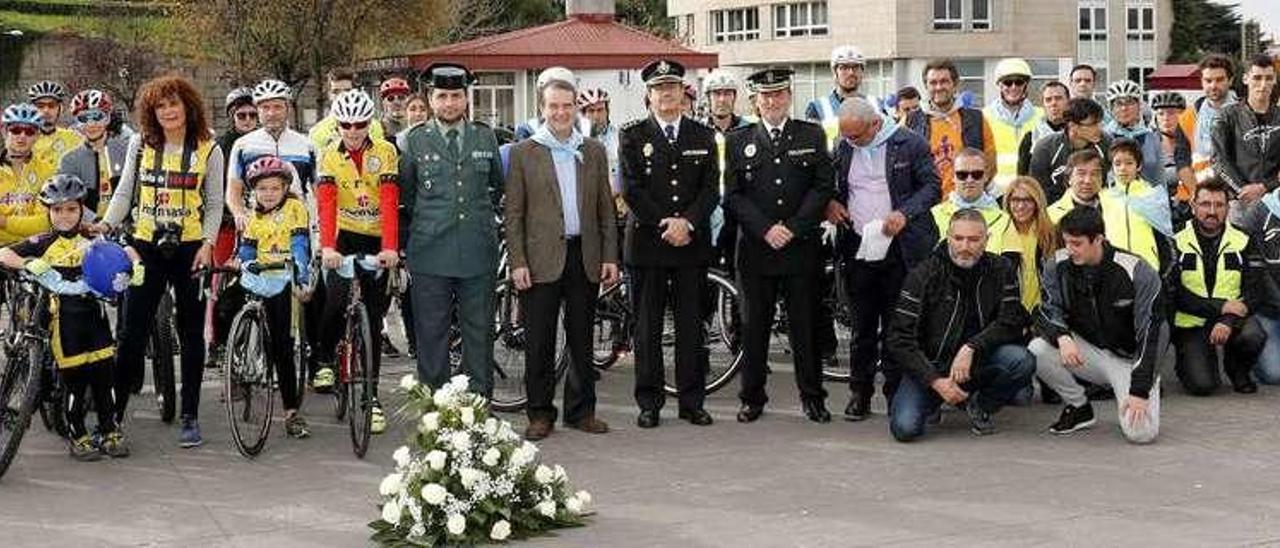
(1049, 162)
(660, 180)
(1266, 245)
(1246, 146)
(924, 331)
(788, 184)
(1114, 305)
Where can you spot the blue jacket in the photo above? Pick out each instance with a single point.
(914, 187)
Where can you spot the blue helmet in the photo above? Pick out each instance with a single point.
(22, 113)
(106, 268)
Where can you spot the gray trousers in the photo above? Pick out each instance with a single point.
(434, 298)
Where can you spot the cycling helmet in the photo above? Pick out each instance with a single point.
(393, 86)
(238, 97)
(267, 166)
(1012, 66)
(847, 55)
(592, 96)
(719, 79)
(353, 106)
(555, 73)
(267, 90)
(690, 91)
(47, 89)
(62, 187)
(22, 114)
(1122, 89)
(1169, 99)
(91, 99)
(106, 268)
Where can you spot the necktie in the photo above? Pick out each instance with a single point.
(775, 134)
(670, 130)
(452, 136)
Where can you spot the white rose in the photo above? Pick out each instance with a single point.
(468, 416)
(547, 508)
(560, 474)
(430, 422)
(459, 383)
(443, 397)
(573, 504)
(390, 485)
(542, 474)
(469, 477)
(461, 441)
(408, 382)
(433, 493)
(583, 496)
(391, 512)
(490, 427)
(456, 524)
(491, 457)
(501, 530)
(436, 458)
(401, 456)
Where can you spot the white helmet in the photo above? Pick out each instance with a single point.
(847, 55)
(555, 73)
(1123, 89)
(1012, 66)
(353, 106)
(720, 79)
(270, 89)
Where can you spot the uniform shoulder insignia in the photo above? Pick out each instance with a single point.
(481, 124)
(809, 123)
(632, 124)
(741, 128)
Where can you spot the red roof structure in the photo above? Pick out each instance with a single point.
(1175, 77)
(581, 42)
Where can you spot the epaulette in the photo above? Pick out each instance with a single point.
(741, 128)
(808, 123)
(631, 124)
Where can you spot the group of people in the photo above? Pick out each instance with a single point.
(1067, 242)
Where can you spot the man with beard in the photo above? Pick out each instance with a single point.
(1246, 142)
(847, 67)
(947, 126)
(1217, 71)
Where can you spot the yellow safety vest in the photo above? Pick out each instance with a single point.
(997, 223)
(1226, 284)
(171, 194)
(830, 123)
(1125, 229)
(1007, 138)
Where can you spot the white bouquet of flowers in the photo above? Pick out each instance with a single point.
(468, 478)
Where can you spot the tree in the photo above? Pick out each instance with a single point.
(1200, 27)
(119, 55)
(649, 15)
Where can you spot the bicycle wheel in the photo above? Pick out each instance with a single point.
(19, 391)
(247, 382)
(301, 353)
(508, 352)
(720, 326)
(611, 332)
(842, 315)
(53, 399)
(163, 346)
(359, 381)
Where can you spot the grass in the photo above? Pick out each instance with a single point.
(37, 23)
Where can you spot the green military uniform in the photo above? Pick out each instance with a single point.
(450, 234)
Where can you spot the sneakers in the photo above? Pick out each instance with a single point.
(296, 427)
(980, 422)
(377, 420)
(83, 449)
(114, 446)
(1073, 418)
(323, 381)
(190, 435)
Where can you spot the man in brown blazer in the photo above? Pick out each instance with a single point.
(562, 240)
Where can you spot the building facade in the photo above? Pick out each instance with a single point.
(898, 37)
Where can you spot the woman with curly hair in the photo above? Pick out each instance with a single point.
(172, 183)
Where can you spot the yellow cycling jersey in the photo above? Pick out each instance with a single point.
(85, 336)
(58, 143)
(170, 192)
(20, 206)
(358, 194)
(272, 232)
(325, 132)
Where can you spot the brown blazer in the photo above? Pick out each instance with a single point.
(534, 217)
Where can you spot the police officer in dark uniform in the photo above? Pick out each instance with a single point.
(777, 183)
(670, 180)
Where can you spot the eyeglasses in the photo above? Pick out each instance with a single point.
(353, 125)
(1022, 200)
(247, 115)
(974, 175)
(22, 130)
(1013, 82)
(91, 116)
(397, 98)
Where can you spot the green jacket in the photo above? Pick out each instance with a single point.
(448, 224)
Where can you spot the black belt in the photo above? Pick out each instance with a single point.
(573, 239)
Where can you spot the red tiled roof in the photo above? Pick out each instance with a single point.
(1175, 71)
(575, 43)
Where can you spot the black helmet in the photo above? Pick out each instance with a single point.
(1168, 99)
(61, 188)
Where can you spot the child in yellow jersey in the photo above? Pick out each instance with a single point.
(278, 232)
(82, 345)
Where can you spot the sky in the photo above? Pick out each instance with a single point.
(1267, 12)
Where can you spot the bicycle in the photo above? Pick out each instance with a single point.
(354, 393)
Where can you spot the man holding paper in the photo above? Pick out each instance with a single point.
(886, 183)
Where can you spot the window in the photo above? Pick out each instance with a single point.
(493, 98)
(1141, 23)
(1042, 70)
(735, 25)
(803, 19)
(981, 19)
(1140, 74)
(947, 15)
(683, 25)
(1092, 35)
(972, 79)
(1140, 37)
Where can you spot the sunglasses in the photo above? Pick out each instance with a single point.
(91, 116)
(22, 130)
(975, 175)
(399, 97)
(246, 115)
(353, 125)
(1013, 82)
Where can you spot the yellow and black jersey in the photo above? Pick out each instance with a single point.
(85, 336)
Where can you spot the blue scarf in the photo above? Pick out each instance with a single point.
(1137, 132)
(886, 130)
(1015, 119)
(984, 201)
(1272, 201)
(1152, 206)
(544, 137)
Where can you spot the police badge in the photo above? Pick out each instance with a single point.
(648, 150)
(750, 150)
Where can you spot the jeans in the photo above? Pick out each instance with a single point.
(994, 382)
(1267, 370)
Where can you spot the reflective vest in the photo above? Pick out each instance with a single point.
(1226, 284)
(1007, 139)
(1125, 229)
(171, 191)
(830, 122)
(997, 223)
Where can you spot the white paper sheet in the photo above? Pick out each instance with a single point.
(875, 245)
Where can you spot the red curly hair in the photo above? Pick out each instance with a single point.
(165, 87)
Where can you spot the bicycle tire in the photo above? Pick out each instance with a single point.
(256, 397)
(722, 333)
(611, 329)
(163, 343)
(360, 382)
(20, 388)
(509, 389)
(53, 400)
